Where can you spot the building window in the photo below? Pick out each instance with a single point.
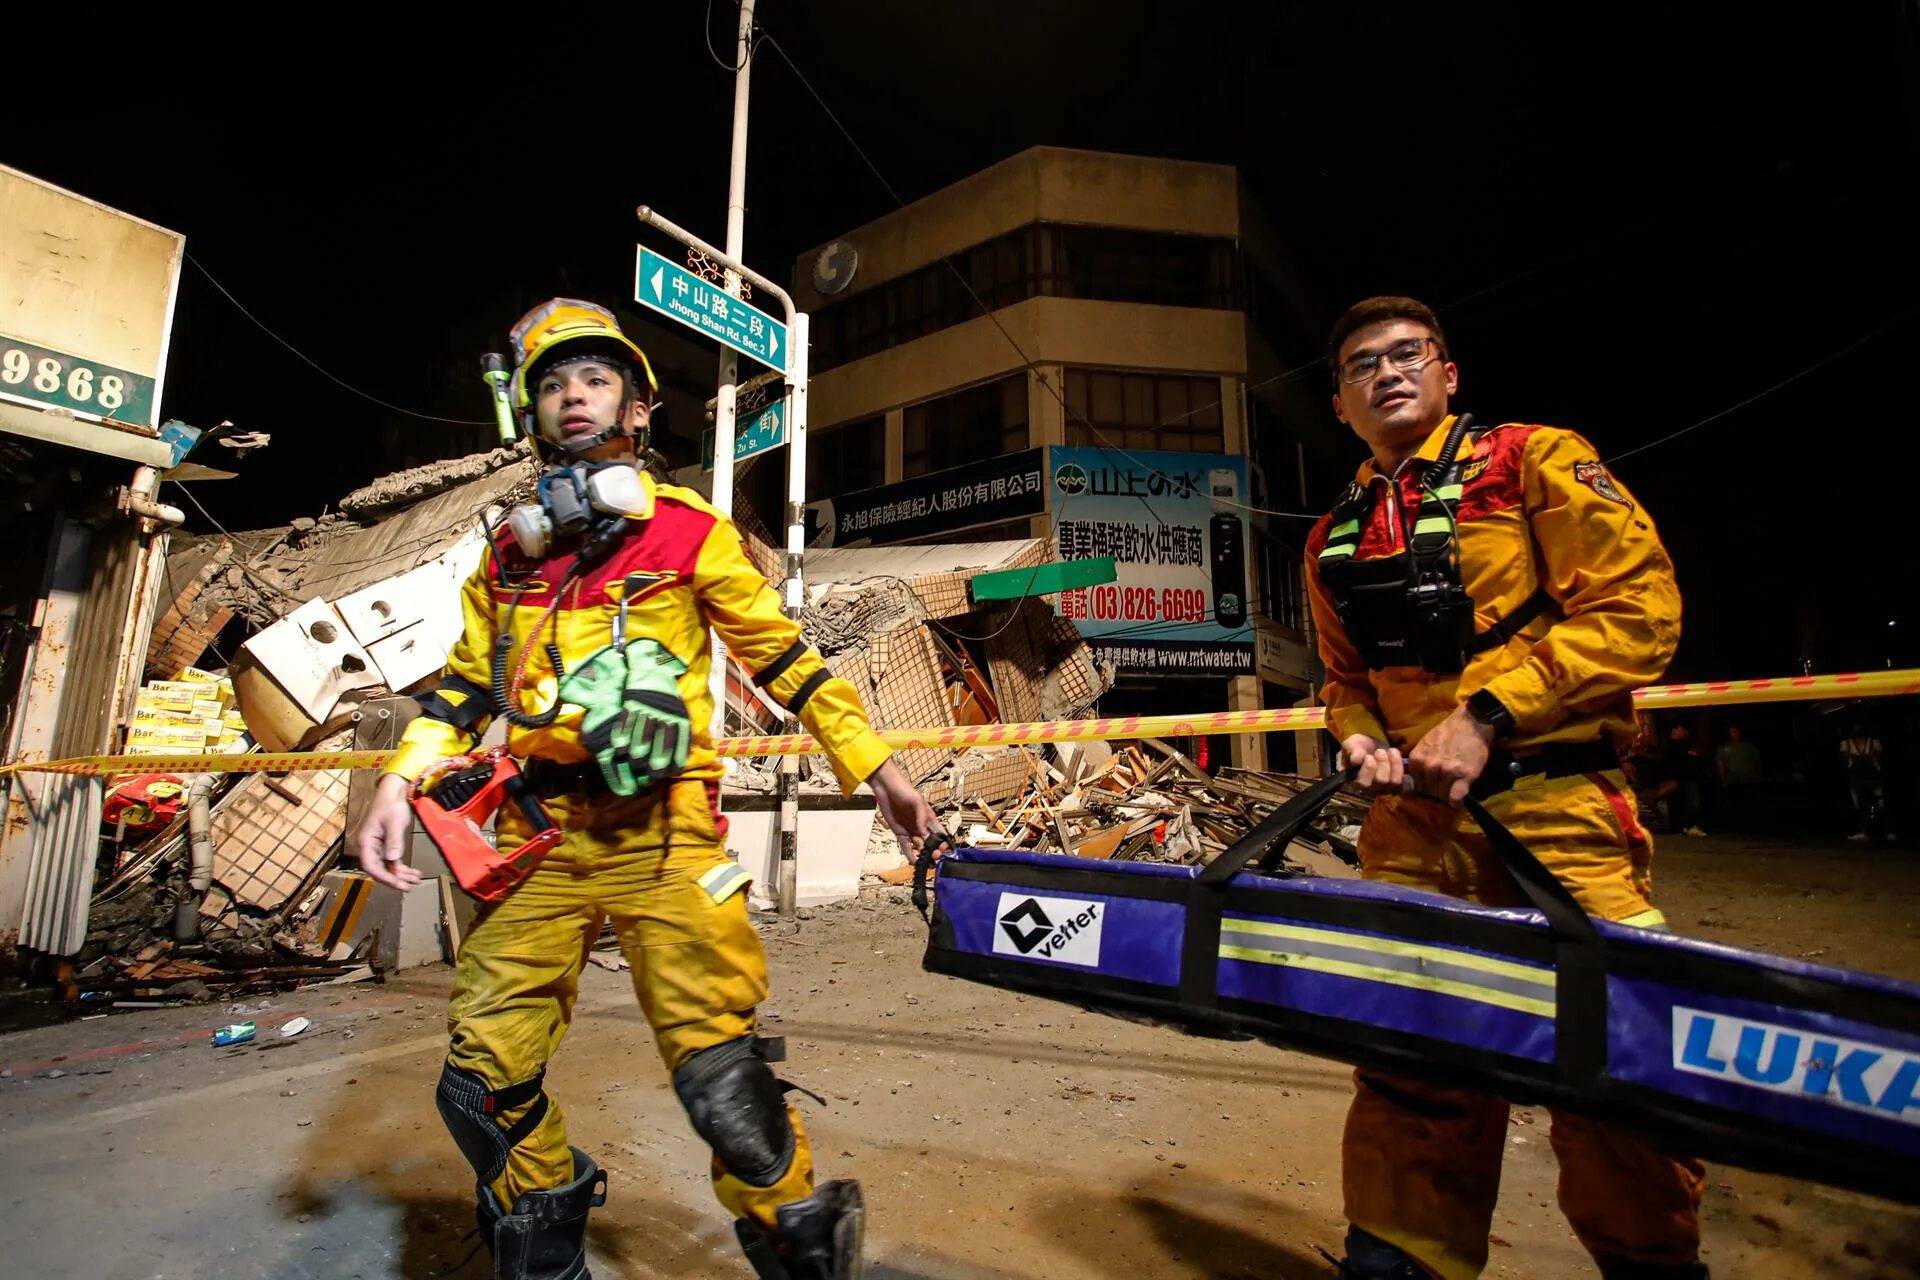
(1271, 445)
(968, 426)
(1043, 259)
(1143, 266)
(847, 458)
(1144, 411)
(1280, 579)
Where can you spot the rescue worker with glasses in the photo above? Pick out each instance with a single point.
(1486, 600)
(593, 642)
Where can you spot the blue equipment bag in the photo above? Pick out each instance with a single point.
(1734, 1056)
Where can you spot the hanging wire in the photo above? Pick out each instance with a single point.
(427, 417)
(1788, 381)
(706, 30)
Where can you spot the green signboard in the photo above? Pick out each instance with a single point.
(44, 376)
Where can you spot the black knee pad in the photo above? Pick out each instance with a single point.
(739, 1109)
(471, 1112)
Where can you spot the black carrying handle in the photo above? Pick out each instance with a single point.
(1580, 1022)
(922, 864)
(1277, 828)
(1537, 884)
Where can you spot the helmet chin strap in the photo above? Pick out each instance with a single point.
(587, 444)
(577, 445)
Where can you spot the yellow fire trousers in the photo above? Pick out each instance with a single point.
(679, 907)
(1422, 1163)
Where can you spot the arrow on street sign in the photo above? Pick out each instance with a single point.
(698, 303)
(764, 430)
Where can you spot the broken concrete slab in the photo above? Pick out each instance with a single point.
(314, 658)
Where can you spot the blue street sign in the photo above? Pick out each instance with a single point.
(678, 293)
(764, 430)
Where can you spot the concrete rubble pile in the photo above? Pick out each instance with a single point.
(1144, 802)
(211, 880)
(316, 631)
(285, 639)
(901, 625)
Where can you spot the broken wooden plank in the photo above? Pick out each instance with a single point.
(992, 817)
(1059, 827)
(280, 789)
(1101, 845)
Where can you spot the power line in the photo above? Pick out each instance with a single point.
(706, 30)
(864, 158)
(1284, 375)
(1817, 365)
(249, 574)
(428, 417)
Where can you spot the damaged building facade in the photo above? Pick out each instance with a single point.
(1110, 378)
(311, 637)
(87, 296)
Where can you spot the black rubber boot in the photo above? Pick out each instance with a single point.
(545, 1237)
(819, 1237)
(1614, 1268)
(1371, 1258)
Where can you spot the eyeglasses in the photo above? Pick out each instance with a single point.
(1408, 353)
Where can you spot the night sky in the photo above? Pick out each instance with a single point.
(1633, 219)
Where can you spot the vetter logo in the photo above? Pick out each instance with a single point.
(1066, 930)
(1845, 1073)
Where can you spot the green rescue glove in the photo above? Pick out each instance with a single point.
(598, 687)
(658, 731)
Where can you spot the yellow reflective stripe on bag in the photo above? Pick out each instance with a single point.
(723, 880)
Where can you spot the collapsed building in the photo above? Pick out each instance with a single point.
(310, 638)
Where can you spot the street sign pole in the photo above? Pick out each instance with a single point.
(765, 348)
(797, 334)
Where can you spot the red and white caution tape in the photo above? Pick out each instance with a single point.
(1711, 693)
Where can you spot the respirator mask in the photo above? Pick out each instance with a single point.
(572, 500)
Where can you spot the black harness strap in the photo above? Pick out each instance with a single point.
(1429, 568)
(1513, 624)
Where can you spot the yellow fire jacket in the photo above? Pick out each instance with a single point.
(1538, 512)
(682, 568)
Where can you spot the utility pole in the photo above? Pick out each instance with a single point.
(723, 409)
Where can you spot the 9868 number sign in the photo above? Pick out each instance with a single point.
(37, 373)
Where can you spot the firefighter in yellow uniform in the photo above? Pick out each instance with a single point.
(587, 627)
(1486, 600)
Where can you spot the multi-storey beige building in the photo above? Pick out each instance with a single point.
(1082, 299)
